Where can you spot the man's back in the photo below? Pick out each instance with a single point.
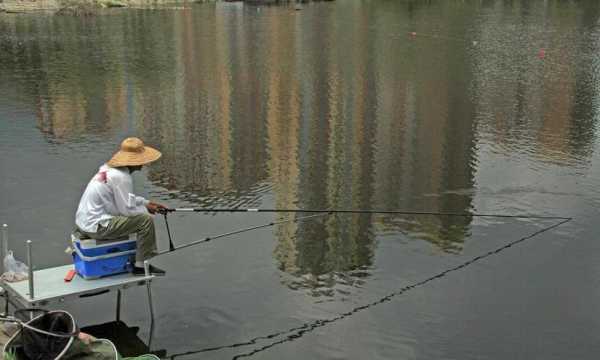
(108, 194)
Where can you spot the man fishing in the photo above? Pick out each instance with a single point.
(108, 209)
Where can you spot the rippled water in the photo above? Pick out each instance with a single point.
(432, 106)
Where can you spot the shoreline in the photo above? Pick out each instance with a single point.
(91, 7)
(79, 7)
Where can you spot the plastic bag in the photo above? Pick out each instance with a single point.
(14, 270)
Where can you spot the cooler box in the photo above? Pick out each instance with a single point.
(97, 258)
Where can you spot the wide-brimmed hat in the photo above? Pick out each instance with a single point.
(134, 153)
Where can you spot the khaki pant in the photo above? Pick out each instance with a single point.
(120, 226)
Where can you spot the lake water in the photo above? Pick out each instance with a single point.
(432, 106)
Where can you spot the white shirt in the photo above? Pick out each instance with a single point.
(109, 193)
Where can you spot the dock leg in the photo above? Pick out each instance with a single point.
(30, 266)
(118, 315)
(151, 306)
(6, 298)
(4, 245)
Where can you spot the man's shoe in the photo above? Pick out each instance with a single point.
(139, 271)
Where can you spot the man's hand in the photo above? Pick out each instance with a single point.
(154, 208)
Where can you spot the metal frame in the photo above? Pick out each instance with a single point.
(34, 295)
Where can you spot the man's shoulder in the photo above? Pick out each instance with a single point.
(117, 174)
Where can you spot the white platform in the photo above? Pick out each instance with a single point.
(50, 287)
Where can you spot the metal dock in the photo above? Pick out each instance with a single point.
(47, 288)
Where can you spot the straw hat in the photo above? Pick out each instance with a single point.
(133, 153)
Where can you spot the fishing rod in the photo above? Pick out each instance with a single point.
(235, 232)
(359, 211)
(316, 213)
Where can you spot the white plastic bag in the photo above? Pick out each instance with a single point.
(14, 270)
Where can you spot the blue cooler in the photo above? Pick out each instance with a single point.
(97, 258)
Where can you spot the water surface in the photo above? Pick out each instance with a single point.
(432, 106)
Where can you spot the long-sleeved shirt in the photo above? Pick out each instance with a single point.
(109, 193)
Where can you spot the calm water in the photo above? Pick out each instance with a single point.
(489, 107)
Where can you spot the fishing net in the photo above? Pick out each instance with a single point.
(47, 336)
(54, 336)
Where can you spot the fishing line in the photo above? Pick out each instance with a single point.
(309, 327)
(298, 331)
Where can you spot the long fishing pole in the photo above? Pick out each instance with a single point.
(362, 211)
(316, 212)
(235, 232)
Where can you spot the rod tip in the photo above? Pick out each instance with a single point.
(28, 241)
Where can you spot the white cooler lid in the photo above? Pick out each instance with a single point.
(93, 243)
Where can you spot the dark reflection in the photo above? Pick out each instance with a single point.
(426, 138)
(125, 338)
(338, 107)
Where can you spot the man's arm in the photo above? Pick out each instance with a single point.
(126, 202)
